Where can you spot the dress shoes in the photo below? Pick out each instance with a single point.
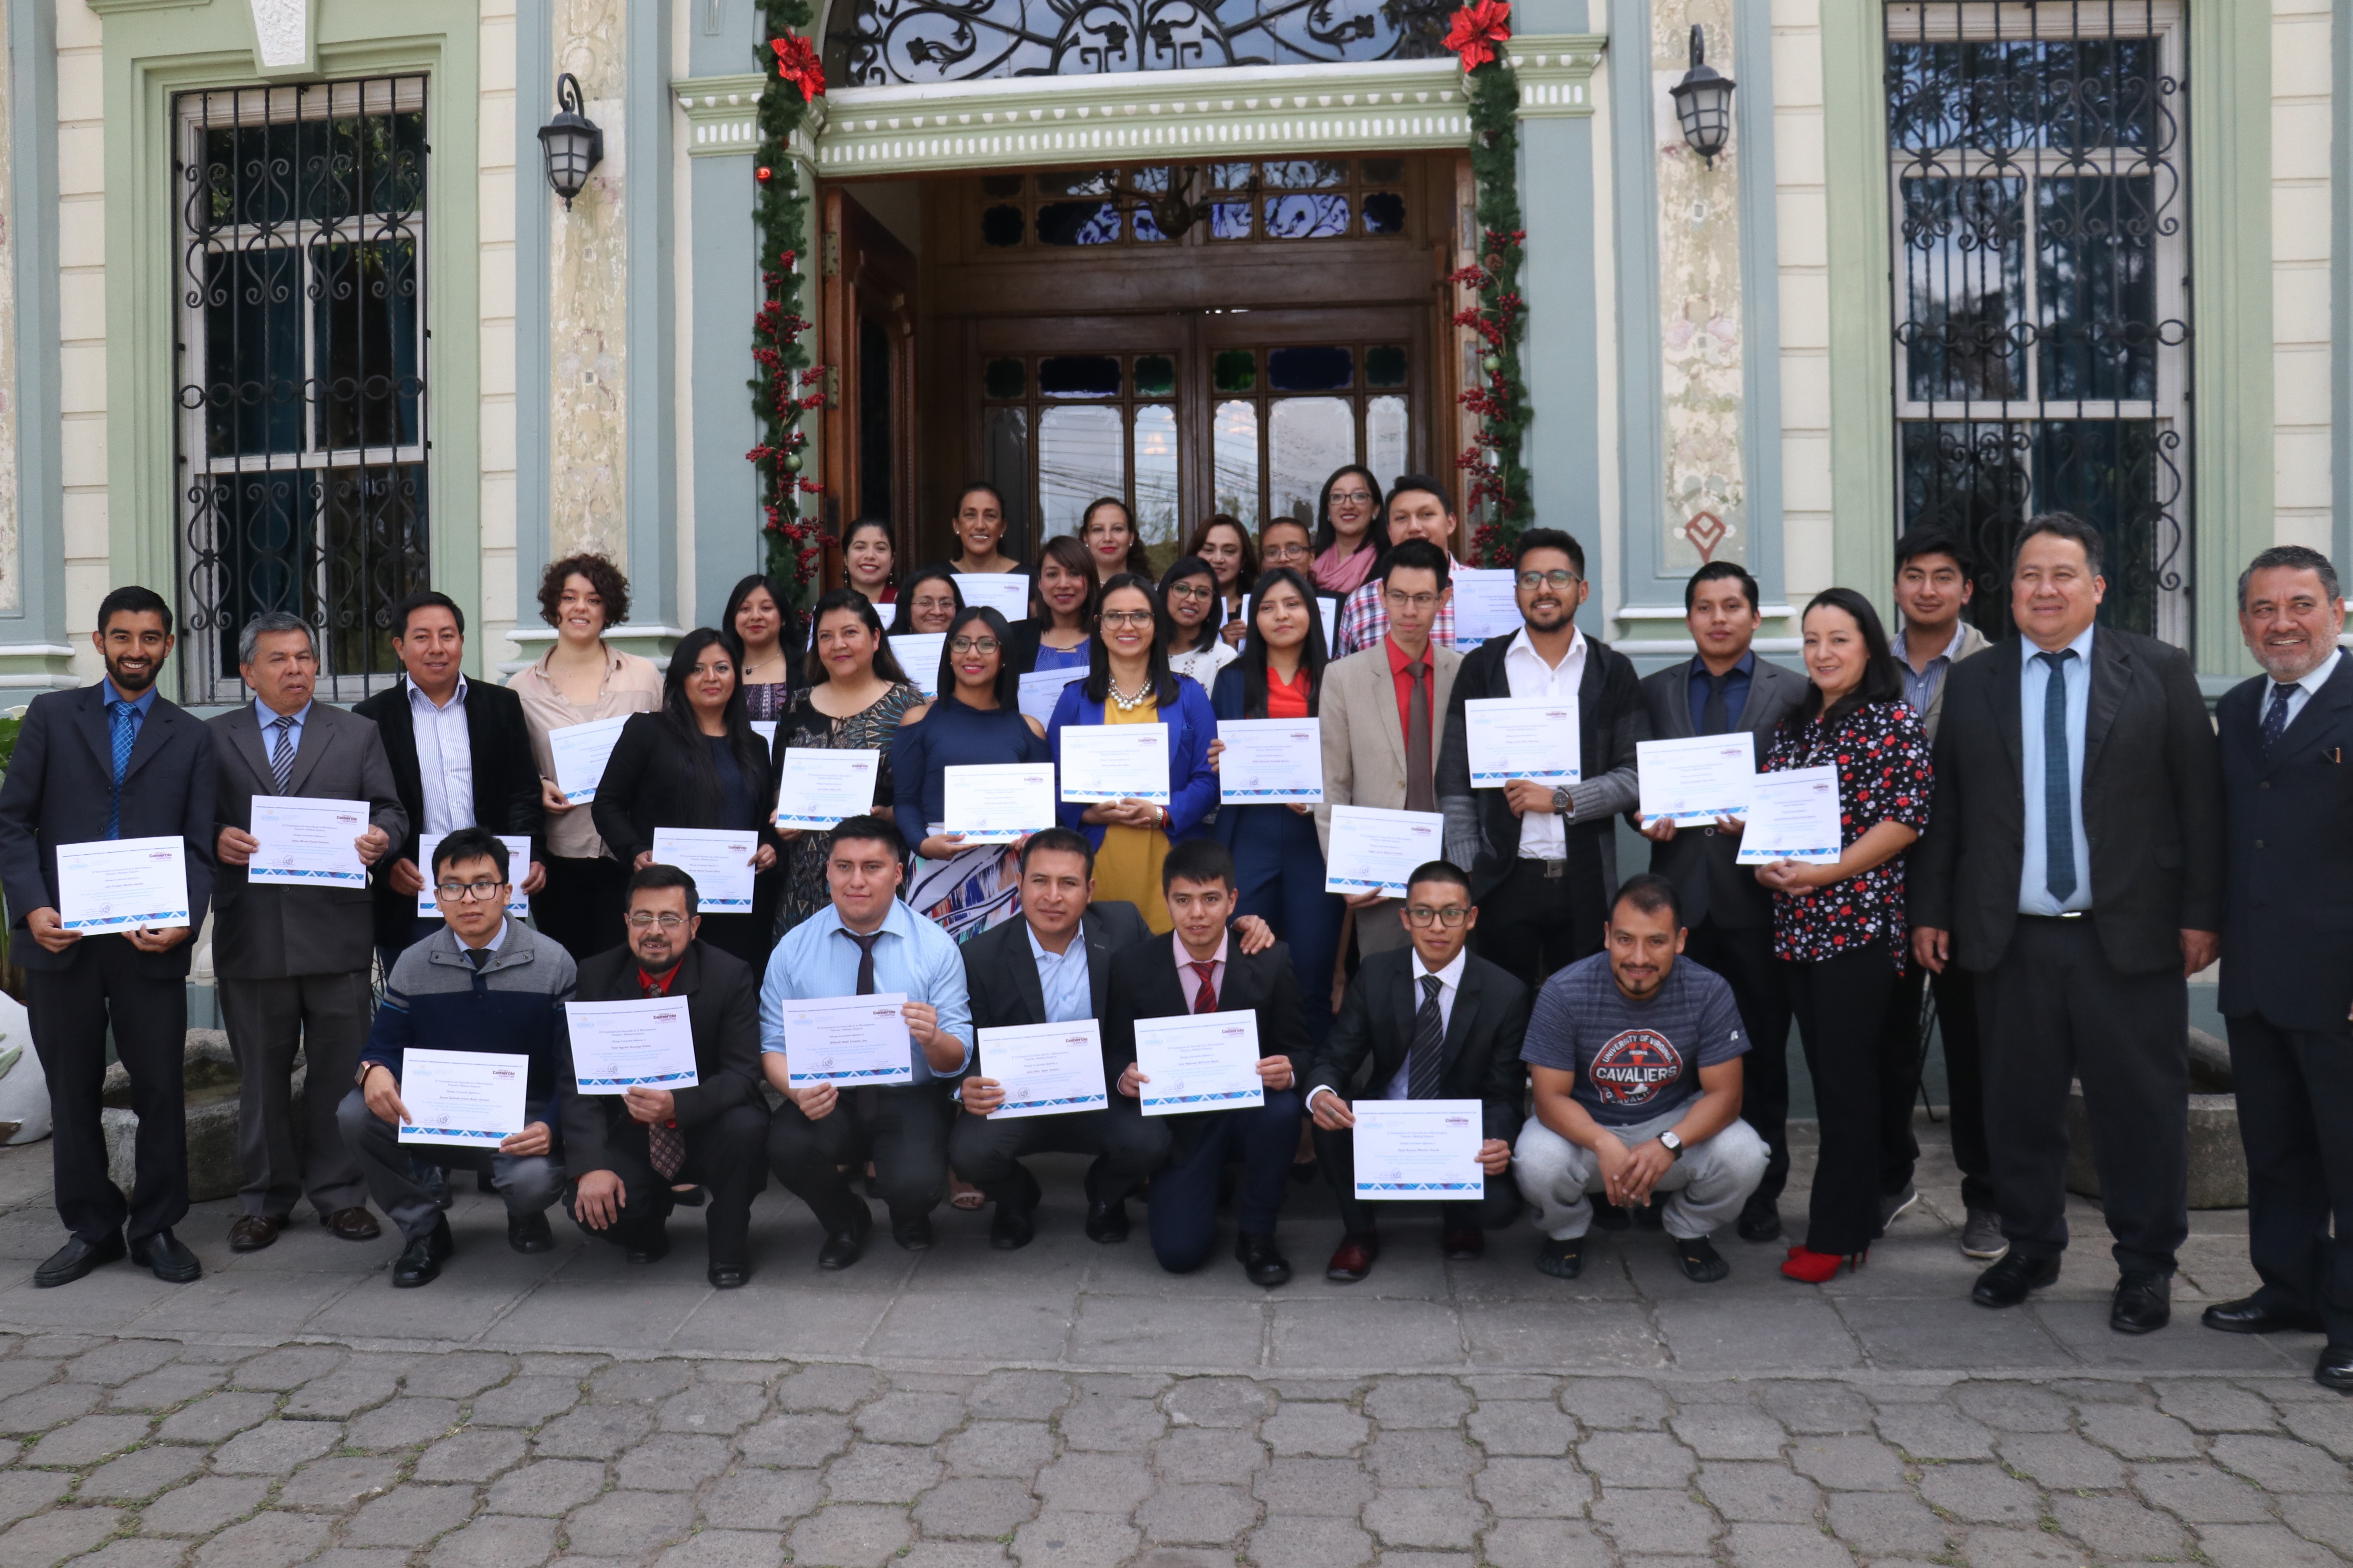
(2143, 1302)
(162, 1255)
(1759, 1221)
(843, 1245)
(1462, 1243)
(353, 1224)
(2007, 1283)
(2254, 1315)
(1107, 1220)
(651, 1248)
(1013, 1227)
(529, 1233)
(77, 1257)
(420, 1261)
(915, 1235)
(1353, 1259)
(1262, 1262)
(252, 1232)
(728, 1276)
(2335, 1368)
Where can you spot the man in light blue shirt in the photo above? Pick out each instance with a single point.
(867, 942)
(2038, 888)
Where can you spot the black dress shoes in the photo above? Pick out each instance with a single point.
(420, 1261)
(162, 1255)
(915, 1235)
(1107, 1221)
(1263, 1261)
(2336, 1368)
(529, 1233)
(650, 1248)
(1012, 1227)
(1462, 1243)
(2007, 1283)
(2254, 1315)
(1759, 1221)
(77, 1257)
(843, 1245)
(729, 1276)
(2143, 1304)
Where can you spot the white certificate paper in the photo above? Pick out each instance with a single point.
(819, 787)
(1792, 815)
(429, 908)
(1522, 738)
(307, 842)
(996, 802)
(848, 1040)
(122, 884)
(1115, 762)
(581, 752)
(766, 730)
(1408, 1148)
(1697, 779)
(1007, 593)
(718, 858)
(1271, 760)
(1042, 688)
(1198, 1061)
(1374, 850)
(1047, 1070)
(470, 1098)
(1485, 606)
(918, 654)
(646, 1040)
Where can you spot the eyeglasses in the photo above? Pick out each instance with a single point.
(1288, 553)
(466, 892)
(1127, 618)
(1352, 497)
(1422, 915)
(972, 644)
(640, 919)
(1412, 601)
(1191, 591)
(1557, 577)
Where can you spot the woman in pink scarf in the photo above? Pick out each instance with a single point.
(1350, 532)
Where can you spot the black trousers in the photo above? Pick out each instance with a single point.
(1842, 1008)
(726, 1155)
(902, 1128)
(2056, 1010)
(1532, 923)
(1127, 1147)
(2295, 1105)
(1336, 1153)
(70, 1011)
(581, 905)
(1956, 1025)
(1743, 956)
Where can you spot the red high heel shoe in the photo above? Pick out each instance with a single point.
(1810, 1268)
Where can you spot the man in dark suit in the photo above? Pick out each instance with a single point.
(625, 1151)
(1201, 969)
(292, 962)
(112, 761)
(1726, 689)
(2074, 864)
(2287, 959)
(1424, 1022)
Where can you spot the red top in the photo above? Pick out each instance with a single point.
(1286, 701)
(1398, 661)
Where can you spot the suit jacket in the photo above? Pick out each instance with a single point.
(1143, 985)
(1364, 741)
(648, 782)
(269, 931)
(1701, 862)
(1369, 1039)
(1192, 785)
(2152, 795)
(60, 788)
(1973, 642)
(1000, 972)
(722, 1006)
(2287, 916)
(506, 787)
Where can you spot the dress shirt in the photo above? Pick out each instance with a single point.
(1735, 690)
(2034, 875)
(816, 959)
(445, 759)
(268, 716)
(1544, 836)
(1920, 686)
(2303, 689)
(1062, 978)
(1450, 986)
(498, 939)
(1404, 683)
(1365, 616)
(1190, 978)
(656, 985)
(631, 685)
(140, 706)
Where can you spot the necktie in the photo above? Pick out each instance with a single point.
(124, 734)
(2275, 722)
(1421, 790)
(1428, 1052)
(1205, 1000)
(663, 1141)
(281, 757)
(479, 957)
(865, 959)
(1712, 718)
(2058, 785)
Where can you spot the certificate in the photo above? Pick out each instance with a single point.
(1198, 1061)
(308, 842)
(848, 1039)
(1271, 759)
(429, 908)
(819, 787)
(1047, 1070)
(1007, 593)
(918, 654)
(1418, 1149)
(1485, 604)
(646, 1040)
(1115, 762)
(718, 858)
(122, 884)
(1792, 815)
(469, 1098)
(1374, 851)
(766, 730)
(996, 802)
(1522, 738)
(1698, 778)
(580, 751)
(1042, 689)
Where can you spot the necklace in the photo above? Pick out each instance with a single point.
(1127, 703)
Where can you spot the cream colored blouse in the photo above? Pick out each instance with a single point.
(632, 684)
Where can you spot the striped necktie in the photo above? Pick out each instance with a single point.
(281, 756)
(1425, 1061)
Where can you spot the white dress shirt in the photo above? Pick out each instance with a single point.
(1543, 836)
(445, 760)
(1450, 986)
(2302, 690)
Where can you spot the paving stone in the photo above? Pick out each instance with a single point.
(120, 1361)
(2013, 1406)
(337, 1484)
(2120, 1527)
(1315, 1428)
(835, 1388)
(882, 1473)
(2199, 1494)
(2329, 1425)
(1421, 1458)
(472, 1456)
(1199, 1515)
(726, 1549)
(909, 1417)
(724, 1408)
(1418, 1402)
(276, 1446)
(1111, 1424)
(1543, 1544)
(1640, 1521)
(1095, 1483)
(1314, 1487)
(638, 1382)
(1063, 1539)
(29, 1491)
(2140, 1434)
(1849, 1463)
(2212, 1406)
(1981, 1494)
(218, 1416)
(265, 1540)
(457, 1375)
(1887, 1524)
(627, 1524)
(1533, 1489)
(167, 1386)
(2260, 1546)
(51, 1404)
(2328, 1520)
(1220, 1402)
(525, 1401)
(1000, 1449)
(593, 1432)
(16, 1376)
(2018, 1549)
(760, 1499)
(849, 1535)
(204, 1505)
(1729, 1432)
(1754, 1545)
(1935, 1432)
(149, 1551)
(2277, 1465)
(410, 1516)
(495, 1542)
(1521, 1426)
(87, 1440)
(571, 1367)
(976, 1508)
(1635, 1459)
(955, 1554)
(1309, 1543)
(1423, 1516)
(402, 1424)
(1763, 1492)
(53, 1537)
(1019, 1395)
(1818, 1409)
(59, 1346)
(1208, 1455)
(360, 1384)
(795, 1442)
(287, 1367)
(546, 1488)
(673, 1462)
(141, 1474)
(2060, 1460)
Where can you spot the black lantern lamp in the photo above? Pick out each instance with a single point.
(572, 144)
(1702, 102)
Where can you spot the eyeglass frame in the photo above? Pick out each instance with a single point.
(976, 645)
(1126, 617)
(1429, 916)
(1559, 577)
(666, 918)
(466, 892)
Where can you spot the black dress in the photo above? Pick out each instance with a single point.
(651, 782)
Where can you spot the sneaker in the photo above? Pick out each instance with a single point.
(1562, 1259)
(1981, 1237)
(1700, 1261)
(1894, 1203)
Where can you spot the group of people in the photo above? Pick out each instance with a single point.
(2049, 830)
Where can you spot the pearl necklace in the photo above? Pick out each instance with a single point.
(1127, 703)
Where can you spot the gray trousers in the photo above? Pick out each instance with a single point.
(528, 1182)
(326, 1017)
(1705, 1188)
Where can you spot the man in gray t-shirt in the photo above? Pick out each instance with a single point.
(1635, 1057)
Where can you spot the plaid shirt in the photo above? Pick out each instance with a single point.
(1365, 618)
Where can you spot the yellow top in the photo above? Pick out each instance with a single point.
(1128, 864)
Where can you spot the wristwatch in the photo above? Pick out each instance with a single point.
(1671, 1144)
(1560, 805)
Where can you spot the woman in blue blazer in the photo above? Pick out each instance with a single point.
(1128, 681)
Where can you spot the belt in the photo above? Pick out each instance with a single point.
(1553, 869)
(2062, 915)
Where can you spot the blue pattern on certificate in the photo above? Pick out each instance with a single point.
(1072, 1100)
(163, 917)
(1421, 1187)
(1197, 1098)
(454, 1134)
(588, 1083)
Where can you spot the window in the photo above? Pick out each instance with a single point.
(1296, 198)
(301, 354)
(2042, 287)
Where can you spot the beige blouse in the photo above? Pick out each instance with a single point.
(632, 685)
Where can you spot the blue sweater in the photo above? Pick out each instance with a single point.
(1192, 783)
(951, 735)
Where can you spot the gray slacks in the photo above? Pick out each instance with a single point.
(326, 1017)
(528, 1182)
(1704, 1189)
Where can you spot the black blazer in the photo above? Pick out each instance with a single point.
(2287, 918)
(506, 787)
(1702, 863)
(650, 783)
(1374, 1030)
(1000, 974)
(723, 1004)
(2152, 793)
(60, 788)
(1143, 985)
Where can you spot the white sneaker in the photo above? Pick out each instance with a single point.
(1981, 1237)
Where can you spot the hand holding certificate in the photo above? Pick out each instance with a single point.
(1115, 762)
(1522, 738)
(996, 802)
(848, 1040)
(1698, 778)
(474, 1098)
(122, 884)
(1793, 816)
(1374, 851)
(819, 787)
(1409, 1149)
(1271, 760)
(308, 843)
(718, 858)
(1044, 1070)
(1198, 1061)
(618, 1045)
(580, 751)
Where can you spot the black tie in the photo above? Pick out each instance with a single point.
(865, 959)
(477, 957)
(2276, 717)
(1429, 1053)
(1712, 718)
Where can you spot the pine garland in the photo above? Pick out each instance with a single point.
(788, 382)
(1498, 477)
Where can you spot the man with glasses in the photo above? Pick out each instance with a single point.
(483, 983)
(1429, 1023)
(1419, 510)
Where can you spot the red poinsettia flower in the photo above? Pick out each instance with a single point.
(797, 62)
(1478, 28)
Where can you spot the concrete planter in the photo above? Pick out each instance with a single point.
(2218, 1161)
(210, 1076)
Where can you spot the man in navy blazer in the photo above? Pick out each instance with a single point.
(109, 762)
(2287, 951)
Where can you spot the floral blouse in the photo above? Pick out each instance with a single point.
(800, 723)
(1882, 756)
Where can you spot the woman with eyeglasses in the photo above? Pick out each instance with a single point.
(975, 721)
(868, 559)
(1188, 593)
(1129, 681)
(927, 601)
(1108, 530)
(1351, 531)
(695, 763)
(1225, 544)
(1061, 610)
(763, 627)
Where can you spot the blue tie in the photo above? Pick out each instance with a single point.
(126, 732)
(2276, 719)
(2058, 788)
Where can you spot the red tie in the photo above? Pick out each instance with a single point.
(1205, 1000)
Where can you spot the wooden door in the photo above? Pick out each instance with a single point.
(867, 329)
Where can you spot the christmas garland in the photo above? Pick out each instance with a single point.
(1498, 478)
(787, 383)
